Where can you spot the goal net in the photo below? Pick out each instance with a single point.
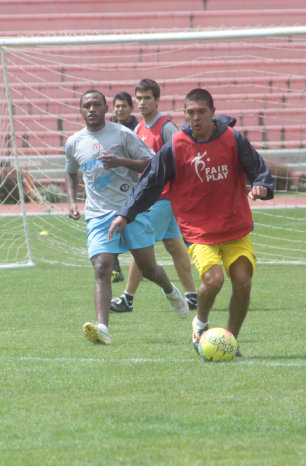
(258, 80)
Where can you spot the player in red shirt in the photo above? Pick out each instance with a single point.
(207, 163)
(155, 129)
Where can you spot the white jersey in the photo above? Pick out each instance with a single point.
(106, 189)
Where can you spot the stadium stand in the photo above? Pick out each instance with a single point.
(120, 22)
(110, 6)
(248, 77)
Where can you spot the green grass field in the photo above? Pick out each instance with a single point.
(148, 399)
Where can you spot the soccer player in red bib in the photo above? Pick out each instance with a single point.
(208, 163)
(155, 129)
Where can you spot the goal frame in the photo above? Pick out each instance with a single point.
(60, 40)
(30, 262)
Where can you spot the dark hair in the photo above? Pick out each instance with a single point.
(93, 91)
(123, 96)
(147, 84)
(199, 94)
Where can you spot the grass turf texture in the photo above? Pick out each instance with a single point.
(148, 399)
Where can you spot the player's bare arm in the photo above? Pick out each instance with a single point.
(72, 181)
(113, 161)
(257, 192)
(117, 226)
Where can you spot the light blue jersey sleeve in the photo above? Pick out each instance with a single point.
(72, 166)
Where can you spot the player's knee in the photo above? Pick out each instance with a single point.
(242, 285)
(173, 246)
(213, 279)
(102, 266)
(215, 283)
(241, 275)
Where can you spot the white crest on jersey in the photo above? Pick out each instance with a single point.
(199, 164)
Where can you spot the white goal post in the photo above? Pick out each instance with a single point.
(256, 75)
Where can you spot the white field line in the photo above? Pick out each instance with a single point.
(244, 361)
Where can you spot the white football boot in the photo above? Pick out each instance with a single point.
(178, 303)
(96, 334)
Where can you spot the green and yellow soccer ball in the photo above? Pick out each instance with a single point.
(217, 344)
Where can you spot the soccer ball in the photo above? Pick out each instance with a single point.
(217, 344)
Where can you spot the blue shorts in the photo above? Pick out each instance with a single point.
(136, 235)
(163, 220)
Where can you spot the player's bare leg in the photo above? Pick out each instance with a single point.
(102, 264)
(181, 261)
(134, 277)
(213, 280)
(145, 260)
(241, 275)
(146, 265)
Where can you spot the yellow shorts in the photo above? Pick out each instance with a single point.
(204, 256)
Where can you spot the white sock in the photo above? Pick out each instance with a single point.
(199, 324)
(103, 327)
(171, 292)
(128, 294)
